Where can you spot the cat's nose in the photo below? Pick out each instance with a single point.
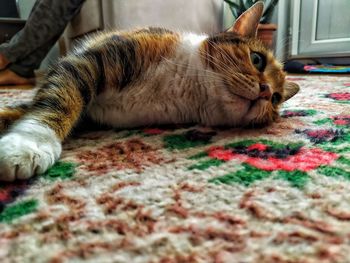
(265, 91)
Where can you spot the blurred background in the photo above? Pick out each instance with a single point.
(300, 32)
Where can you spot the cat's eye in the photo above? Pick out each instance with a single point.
(276, 98)
(258, 60)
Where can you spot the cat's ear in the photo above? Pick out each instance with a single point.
(290, 89)
(247, 23)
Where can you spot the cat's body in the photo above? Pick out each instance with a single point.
(177, 87)
(146, 77)
(172, 90)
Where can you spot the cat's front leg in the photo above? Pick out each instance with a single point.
(33, 143)
(29, 148)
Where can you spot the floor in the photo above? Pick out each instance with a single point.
(193, 194)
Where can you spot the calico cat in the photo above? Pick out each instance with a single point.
(147, 77)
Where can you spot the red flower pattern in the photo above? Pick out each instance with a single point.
(305, 160)
(341, 120)
(153, 131)
(340, 96)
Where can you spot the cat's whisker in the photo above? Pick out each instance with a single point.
(190, 67)
(219, 64)
(213, 60)
(223, 52)
(283, 44)
(211, 74)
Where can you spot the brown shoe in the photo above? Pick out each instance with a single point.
(3, 62)
(8, 77)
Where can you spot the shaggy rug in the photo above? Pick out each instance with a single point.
(193, 194)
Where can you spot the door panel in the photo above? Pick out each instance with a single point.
(323, 27)
(331, 22)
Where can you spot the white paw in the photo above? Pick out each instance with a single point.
(24, 155)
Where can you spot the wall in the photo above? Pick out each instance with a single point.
(185, 15)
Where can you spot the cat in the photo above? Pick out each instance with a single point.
(147, 77)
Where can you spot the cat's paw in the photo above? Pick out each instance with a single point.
(24, 155)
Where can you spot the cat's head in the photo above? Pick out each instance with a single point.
(253, 83)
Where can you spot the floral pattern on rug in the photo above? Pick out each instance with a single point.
(193, 194)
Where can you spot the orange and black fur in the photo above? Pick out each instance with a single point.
(146, 77)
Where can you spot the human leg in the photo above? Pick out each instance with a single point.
(45, 24)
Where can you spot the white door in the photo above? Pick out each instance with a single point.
(320, 28)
